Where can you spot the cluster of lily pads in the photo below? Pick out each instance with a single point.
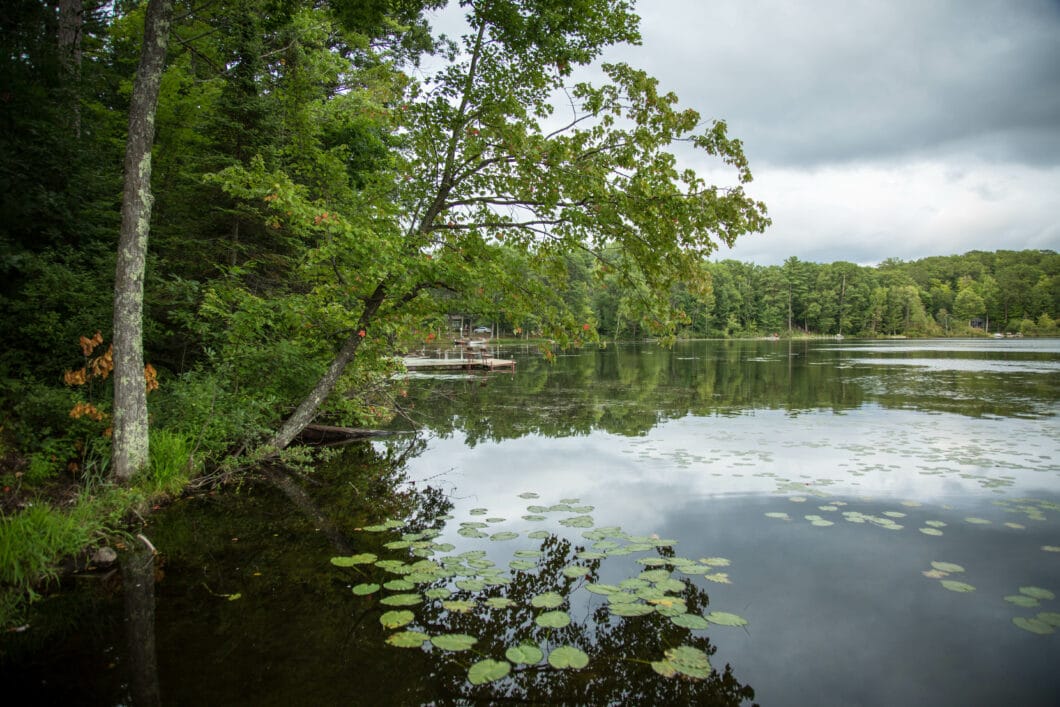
(1044, 622)
(428, 574)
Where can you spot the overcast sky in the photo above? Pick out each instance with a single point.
(891, 128)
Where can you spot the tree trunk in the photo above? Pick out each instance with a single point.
(70, 21)
(130, 396)
(306, 412)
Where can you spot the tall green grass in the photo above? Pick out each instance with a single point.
(171, 464)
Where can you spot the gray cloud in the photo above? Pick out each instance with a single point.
(827, 82)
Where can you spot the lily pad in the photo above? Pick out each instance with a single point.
(1037, 592)
(578, 522)
(401, 600)
(568, 657)
(719, 577)
(453, 642)
(602, 589)
(778, 515)
(504, 535)
(499, 602)
(692, 621)
(527, 554)
(534, 517)
(471, 533)
(553, 619)
(522, 565)
(977, 521)
(1051, 548)
(930, 531)
(935, 523)
(525, 654)
(471, 585)
(458, 606)
(1021, 600)
(365, 589)
(1033, 625)
(654, 575)
(1050, 617)
(399, 585)
(947, 567)
(365, 558)
(488, 670)
(723, 618)
(407, 639)
(529, 494)
(437, 593)
(394, 619)
(630, 609)
(548, 600)
(478, 511)
(574, 571)
(955, 586)
(684, 660)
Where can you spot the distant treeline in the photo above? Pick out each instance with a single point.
(1014, 292)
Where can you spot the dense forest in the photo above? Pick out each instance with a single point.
(324, 184)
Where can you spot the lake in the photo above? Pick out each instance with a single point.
(783, 523)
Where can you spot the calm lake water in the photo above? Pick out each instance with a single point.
(860, 523)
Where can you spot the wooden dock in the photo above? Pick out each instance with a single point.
(488, 363)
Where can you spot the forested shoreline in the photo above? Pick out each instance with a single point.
(328, 183)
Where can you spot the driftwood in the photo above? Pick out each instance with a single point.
(327, 435)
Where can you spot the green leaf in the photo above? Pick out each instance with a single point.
(407, 639)
(525, 654)
(504, 535)
(954, 586)
(1033, 625)
(399, 585)
(528, 495)
(499, 602)
(692, 621)
(459, 606)
(1037, 592)
(365, 589)
(723, 618)
(394, 619)
(553, 619)
(453, 642)
(947, 567)
(487, 670)
(574, 571)
(568, 657)
(1021, 600)
(366, 558)
(630, 609)
(401, 600)
(548, 600)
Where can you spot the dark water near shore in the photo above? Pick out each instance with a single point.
(820, 480)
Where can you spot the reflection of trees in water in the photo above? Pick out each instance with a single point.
(629, 389)
(619, 649)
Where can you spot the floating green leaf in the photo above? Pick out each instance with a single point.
(1037, 592)
(528, 554)
(534, 517)
(574, 571)
(495, 520)
(438, 593)
(471, 585)
(399, 585)
(365, 589)
(1033, 625)
(459, 606)
(947, 567)
(578, 522)
(548, 600)
(685, 660)
(488, 670)
(715, 561)
(398, 545)
(930, 531)
(629, 609)
(935, 523)
(779, 515)
(566, 657)
(525, 654)
(1050, 617)
(570, 500)
(471, 533)
(553, 619)
(453, 641)
(1051, 548)
(529, 495)
(602, 589)
(692, 621)
(955, 586)
(977, 521)
(537, 509)
(499, 602)
(719, 577)
(407, 639)
(504, 535)
(590, 555)
(394, 619)
(522, 565)
(401, 600)
(478, 511)
(1021, 600)
(723, 618)
(654, 575)
(365, 558)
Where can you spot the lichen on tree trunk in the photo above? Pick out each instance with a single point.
(130, 451)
